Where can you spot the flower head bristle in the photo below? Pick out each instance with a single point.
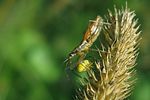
(114, 73)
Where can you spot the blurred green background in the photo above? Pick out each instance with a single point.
(37, 35)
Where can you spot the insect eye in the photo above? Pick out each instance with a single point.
(70, 54)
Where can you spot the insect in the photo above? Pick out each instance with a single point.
(84, 65)
(91, 34)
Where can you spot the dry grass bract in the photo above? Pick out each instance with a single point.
(114, 75)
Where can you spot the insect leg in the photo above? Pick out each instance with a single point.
(81, 58)
(93, 49)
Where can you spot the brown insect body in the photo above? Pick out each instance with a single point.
(89, 38)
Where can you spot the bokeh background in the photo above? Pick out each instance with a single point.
(37, 35)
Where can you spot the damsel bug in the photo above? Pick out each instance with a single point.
(93, 31)
(84, 65)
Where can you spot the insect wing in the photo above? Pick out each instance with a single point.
(90, 28)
